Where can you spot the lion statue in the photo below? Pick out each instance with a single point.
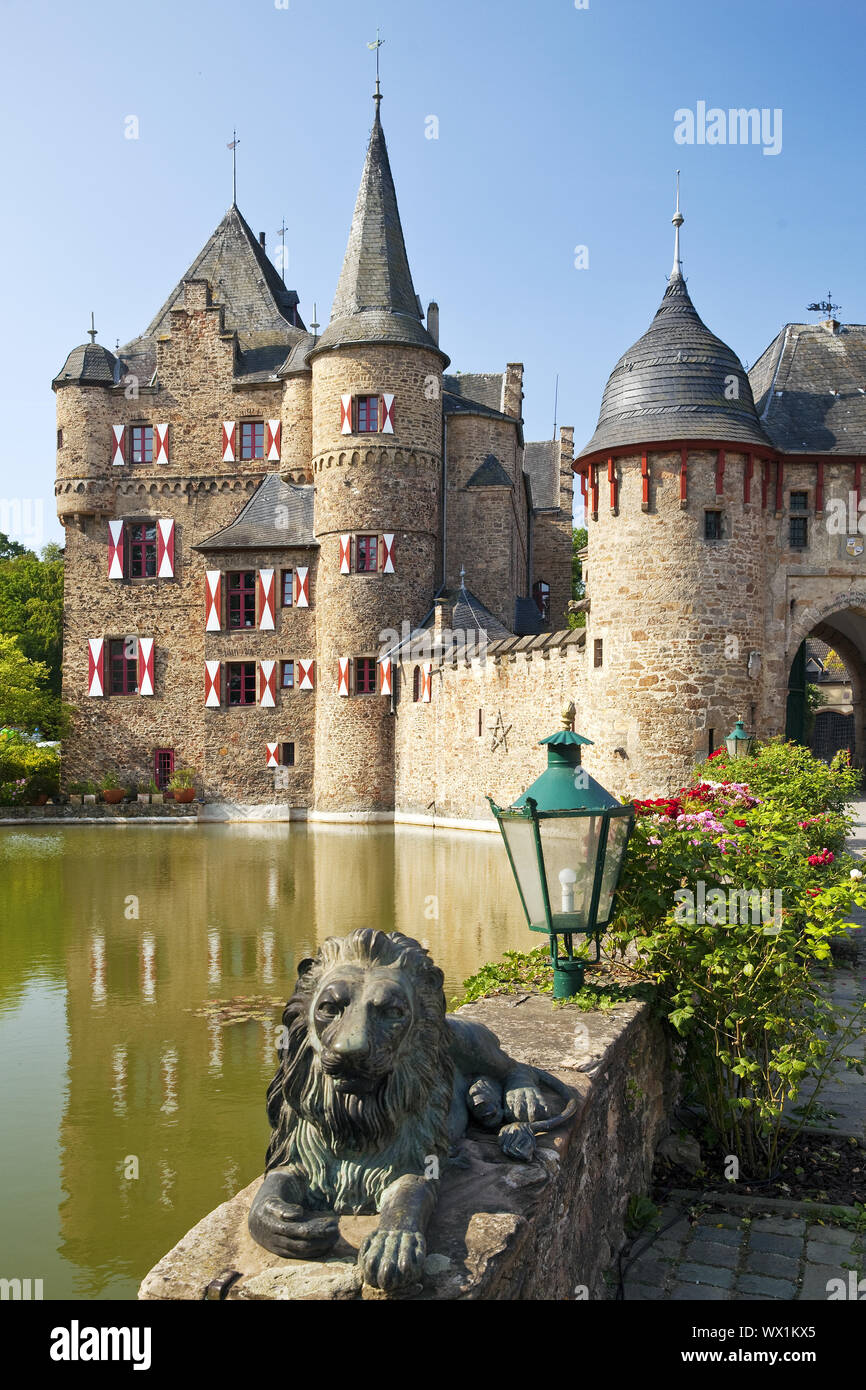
(375, 1085)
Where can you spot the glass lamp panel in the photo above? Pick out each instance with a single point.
(617, 836)
(570, 846)
(520, 838)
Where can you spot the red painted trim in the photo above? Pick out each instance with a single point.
(765, 482)
(593, 485)
(684, 474)
(780, 471)
(747, 477)
(666, 446)
(720, 472)
(644, 479)
(611, 478)
(819, 487)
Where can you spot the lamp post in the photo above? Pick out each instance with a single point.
(566, 839)
(738, 743)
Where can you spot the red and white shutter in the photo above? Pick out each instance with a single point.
(212, 684)
(161, 436)
(95, 662)
(343, 680)
(345, 554)
(118, 446)
(273, 431)
(385, 676)
(387, 413)
(273, 750)
(212, 594)
(427, 682)
(165, 548)
(267, 619)
(115, 549)
(301, 585)
(306, 675)
(345, 414)
(228, 441)
(145, 665)
(388, 552)
(267, 684)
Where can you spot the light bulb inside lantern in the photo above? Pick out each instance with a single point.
(567, 878)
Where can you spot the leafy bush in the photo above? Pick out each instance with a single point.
(28, 768)
(183, 777)
(110, 782)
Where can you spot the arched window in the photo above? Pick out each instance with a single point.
(541, 594)
(416, 684)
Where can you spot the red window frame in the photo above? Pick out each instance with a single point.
(163, 766)
(367, 413)
(366, 554)
(287, 589)
(541, 594)
(287, 668)
(365, 675)
(416, 684)
(142, 549)
(240, 600)
(287, 755)
(122, 669)
(141, 444)
(240, 683)
(252, 439)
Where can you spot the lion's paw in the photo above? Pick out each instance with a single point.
(392, 1259)
(527, 1103)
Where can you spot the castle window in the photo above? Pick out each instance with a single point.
(712, 526)
(252, 439)
(367, 412)
(366, 554)
(242, 599)
(598, 652)
(141, 443)
(287, 675)
(798, 532)
(287, 754)
(163, 766)
(365, 675)
(142, 550)
(123, 666)
(799, 501)
(241, 682)
(60, 439)
(416, 684)
(288, 577)
(541, 594)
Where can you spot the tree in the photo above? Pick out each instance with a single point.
(31, 606)
(579, 540)
(25, 703)
(8, 548)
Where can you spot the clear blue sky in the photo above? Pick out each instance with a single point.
(556, 129)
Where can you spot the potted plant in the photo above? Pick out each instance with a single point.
(142, 794)
(182, 784)
(155, 793)
(76, 793)
(89, 795)
(112, 792)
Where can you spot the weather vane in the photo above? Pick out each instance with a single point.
(825, 307)
(233, 146)
(281, 233)
(377, 44)
(92, 329)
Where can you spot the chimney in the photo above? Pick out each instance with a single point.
(262, 240)
(512, 390)
(831, 325)
(566, 469)
(433, 321)
(443, 617)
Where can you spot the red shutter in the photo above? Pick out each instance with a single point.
(228, 441)
(301, 585)
(343, 679)
(345, 554)
(115, 549)
(267, 684)
(427, 682)
(385, 670)
(272, 441)
(145, 665)
(165, 548)
(212, 684)
(118, 448)
(345, 414)
(267, 619)
(161, 452)
(273, 749)
(387, 413)
(306, 675)
(212, 588)
(95, 664)
(388, 552)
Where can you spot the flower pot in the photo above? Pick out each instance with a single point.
(114, 795)
(156, 798)
(143, 798)
(89, 799)
(76, 799)
(184, 794)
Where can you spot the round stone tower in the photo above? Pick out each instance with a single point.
(672, 480)
(84, 486)
(377, 469)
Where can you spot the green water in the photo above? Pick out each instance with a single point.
(109, 1066)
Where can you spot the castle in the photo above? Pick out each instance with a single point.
(333, 578)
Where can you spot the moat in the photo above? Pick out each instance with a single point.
(121, 950)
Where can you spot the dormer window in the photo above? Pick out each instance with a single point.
(252, 439)
(141, 443)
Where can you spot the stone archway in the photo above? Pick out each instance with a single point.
(841, 623)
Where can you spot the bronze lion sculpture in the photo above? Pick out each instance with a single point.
(375, 1085)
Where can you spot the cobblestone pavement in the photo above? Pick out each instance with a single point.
(727, 1256)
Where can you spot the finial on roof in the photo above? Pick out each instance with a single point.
(377, 95)
(92, 329)
(463, 577)
(233, 146)
(314, 325)
(678, 221)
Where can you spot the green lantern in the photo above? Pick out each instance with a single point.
(738, 743)
(566, 840)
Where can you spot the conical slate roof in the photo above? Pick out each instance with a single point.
(679, 381)
(89, 365)
(375, 299)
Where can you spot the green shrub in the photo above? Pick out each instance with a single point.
(182, 778)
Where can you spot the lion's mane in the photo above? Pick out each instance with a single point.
(351, 1147)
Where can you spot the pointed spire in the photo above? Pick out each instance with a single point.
(678, 220)
(92, 329)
